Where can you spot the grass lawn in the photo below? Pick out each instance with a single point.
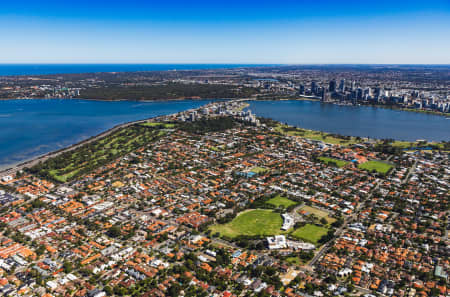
(157, 124)
(407, 144)
(87, 157)
(378, 166)
(251, 222)
(281, 201)
(295, 260)
(317, 135)
(258, 170)
(338, 162)
(318, 213)
(311, 233)
(403, 144)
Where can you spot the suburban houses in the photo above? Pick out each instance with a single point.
(236, 207)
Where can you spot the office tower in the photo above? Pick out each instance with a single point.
(326, 96)
(359, 94)
(377, 92)
(332, 86)
(314, 88)
(302, 89)
(342, 85)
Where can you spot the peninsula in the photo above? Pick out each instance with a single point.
(423, 88)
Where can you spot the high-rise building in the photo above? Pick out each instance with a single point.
(314, 88)
(326, 96)
(377, 92)
(332, 86)
(193, 116)
(302, 89)
(359, 94)
(342, 85)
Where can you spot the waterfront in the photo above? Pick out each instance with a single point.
(30, 128)
(45, 69)
(363, 121)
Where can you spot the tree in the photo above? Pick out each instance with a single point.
(174, 290)
(114, 231)
(40, 250)
(68, 267)
(108, 290)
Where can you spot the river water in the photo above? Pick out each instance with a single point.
(29, 128)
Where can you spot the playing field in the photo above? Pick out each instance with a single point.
(310, 233)
(281, 201)
(338, 162)
(318, 213)
(251, 222)
(378, 166)
(258, 170)
(317, 135)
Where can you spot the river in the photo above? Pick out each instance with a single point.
(29, 128)
(363, 121)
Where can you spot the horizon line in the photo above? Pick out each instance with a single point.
(214, 63)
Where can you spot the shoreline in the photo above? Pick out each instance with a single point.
(12, 169)
(121, 100)
(430, 112)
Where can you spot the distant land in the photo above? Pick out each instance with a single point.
(419, 88)
(43, 69)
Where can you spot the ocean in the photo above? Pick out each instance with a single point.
(41, 69)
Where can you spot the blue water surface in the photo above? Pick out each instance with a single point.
(362, 121)
(37, 69)
(29, 128)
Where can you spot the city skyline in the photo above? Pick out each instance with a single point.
(291, 32)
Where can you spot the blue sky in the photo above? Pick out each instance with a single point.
(290, 32)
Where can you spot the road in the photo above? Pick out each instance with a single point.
(12, 171)
(339, 231)
(294, 213)
(410, 171)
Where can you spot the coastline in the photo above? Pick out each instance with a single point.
(301, 98)
(121, 100)
(12, 169)
(431, 112)
(9, 169)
